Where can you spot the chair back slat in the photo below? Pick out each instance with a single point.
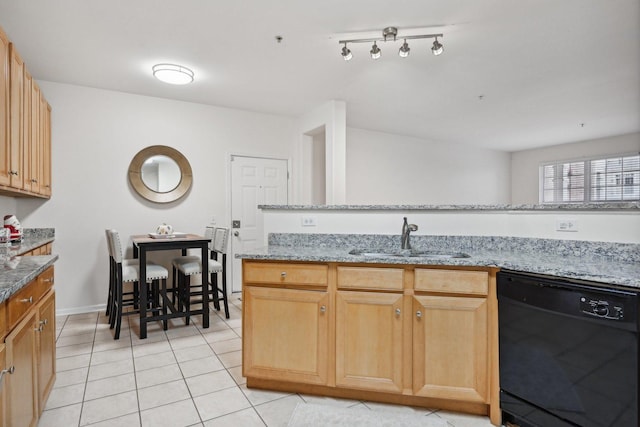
(117, 246)
(220, 240)
(109, 245)
(210, 233)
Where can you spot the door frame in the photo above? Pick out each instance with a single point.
(229, 213)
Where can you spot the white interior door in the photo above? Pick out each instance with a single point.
(254, 181)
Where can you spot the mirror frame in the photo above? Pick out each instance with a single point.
(135, 174)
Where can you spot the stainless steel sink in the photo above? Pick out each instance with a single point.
(408, 253)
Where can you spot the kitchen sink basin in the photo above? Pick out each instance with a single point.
(408, 253)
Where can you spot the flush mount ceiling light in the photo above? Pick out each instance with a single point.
(173, 74)
(390, 34)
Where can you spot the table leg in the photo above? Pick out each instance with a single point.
(143, 293)
(205, 285)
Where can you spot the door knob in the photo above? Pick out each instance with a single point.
(236, 233)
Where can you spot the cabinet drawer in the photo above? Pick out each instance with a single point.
(27, 297)
(3, 320)
(452, 281)
(283, 273)
(370, 278)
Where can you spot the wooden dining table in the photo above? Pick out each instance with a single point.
(142, 244)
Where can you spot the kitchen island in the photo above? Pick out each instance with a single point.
(409, 330)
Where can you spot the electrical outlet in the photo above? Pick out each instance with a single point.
(566, 225)
(309, 221)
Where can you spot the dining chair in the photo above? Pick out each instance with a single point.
(112, 279)
(186, 266)
(128, 271)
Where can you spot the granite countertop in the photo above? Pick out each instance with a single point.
(592, 268)
(16, 270)
(612, 206)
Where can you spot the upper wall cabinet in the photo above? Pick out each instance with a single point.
(5, 148)
(25, 142)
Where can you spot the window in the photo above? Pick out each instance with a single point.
(591, 180)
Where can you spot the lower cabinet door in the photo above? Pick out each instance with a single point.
(450, 358)
(22, 392)
(369, 351)
(46, 348)
(285, 334)
(3, 385)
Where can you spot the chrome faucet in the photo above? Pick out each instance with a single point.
(406, 233)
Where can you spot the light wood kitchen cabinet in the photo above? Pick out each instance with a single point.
(450, 335)
(25, 143)
(5, 117)
(45, 147)
(285, 330)
(33, 174)
(285, 334)
(407, 334)
(40, 250)
(17, 121)
(29, 350)
(369, 348)
(450, 348)
(22, 397)
(46, 347)
(3, 394)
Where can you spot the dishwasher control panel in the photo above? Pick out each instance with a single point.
(602, 308)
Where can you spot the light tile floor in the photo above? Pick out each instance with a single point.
(186, 376)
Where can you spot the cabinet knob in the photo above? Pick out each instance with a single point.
(323, 309)
(38, 329)
(397, 312)
(11, 370)
(34, 180)
(418, 314)
(283, 274)
(47, 280)
(44, 322)
(27, 300)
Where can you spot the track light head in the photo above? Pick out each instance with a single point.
(404, 50)
(437, 47)
(375, 51)
(346, 53)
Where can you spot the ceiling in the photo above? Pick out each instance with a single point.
(514, 75)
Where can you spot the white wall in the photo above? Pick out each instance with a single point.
(95, 135)
(8, 205)
(600, 226)
(318, 169)
(392, 169)
(329, 118)
(525, 164)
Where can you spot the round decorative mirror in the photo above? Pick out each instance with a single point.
(160, 174)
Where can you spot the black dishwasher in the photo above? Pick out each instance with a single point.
(568, 352)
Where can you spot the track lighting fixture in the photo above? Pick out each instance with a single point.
(390, 34)
(375, 51)
(437, 47)
(346, 53)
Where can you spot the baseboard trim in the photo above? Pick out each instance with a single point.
(81, 310)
